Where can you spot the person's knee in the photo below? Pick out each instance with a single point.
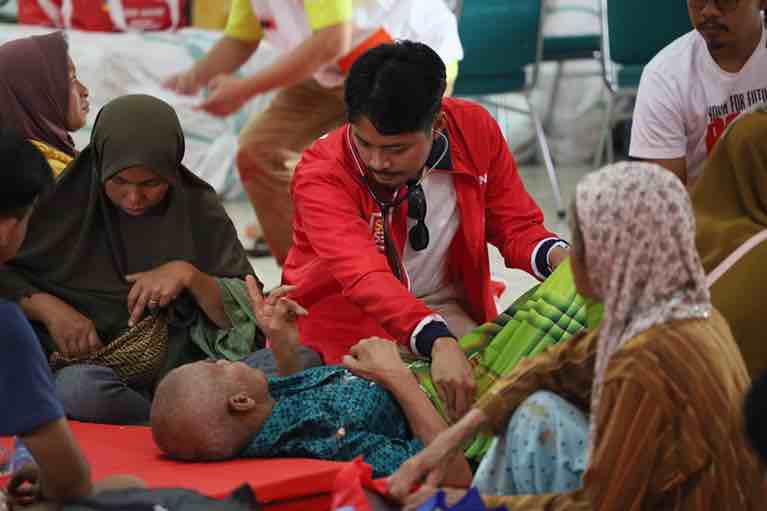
(94, 393)
(255, 158)
(75, 384)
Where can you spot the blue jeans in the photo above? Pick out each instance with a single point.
(92, 393)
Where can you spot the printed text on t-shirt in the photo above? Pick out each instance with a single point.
(720, 116)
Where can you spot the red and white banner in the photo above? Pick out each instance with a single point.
(104, 15)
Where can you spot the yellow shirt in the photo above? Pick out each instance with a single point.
(243, 23)
(58, 160)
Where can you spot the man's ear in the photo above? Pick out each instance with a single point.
(440, 124)
(241, 402)
(7, 226)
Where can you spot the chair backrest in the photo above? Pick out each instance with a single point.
(634, 31)
(499, 36)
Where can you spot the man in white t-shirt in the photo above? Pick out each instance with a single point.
(698, 84)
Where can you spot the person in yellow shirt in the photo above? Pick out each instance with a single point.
(317, 41)
(41, 96)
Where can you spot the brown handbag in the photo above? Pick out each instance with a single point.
(137, 356)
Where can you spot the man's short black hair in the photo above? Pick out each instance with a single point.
(24, 174)
(398, 87)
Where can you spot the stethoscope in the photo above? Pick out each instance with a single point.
(410, 186)
(387, 207)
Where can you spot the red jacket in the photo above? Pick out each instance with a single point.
(343, 277)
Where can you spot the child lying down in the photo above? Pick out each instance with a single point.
(371, 406)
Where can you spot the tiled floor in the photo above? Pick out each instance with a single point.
(537, 184)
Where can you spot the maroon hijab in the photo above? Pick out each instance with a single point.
(34, 89)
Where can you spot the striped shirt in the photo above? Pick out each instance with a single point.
(669, 431)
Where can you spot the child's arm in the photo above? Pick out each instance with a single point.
(276, 315)
(63, 472)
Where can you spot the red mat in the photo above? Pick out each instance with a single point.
(284, 484)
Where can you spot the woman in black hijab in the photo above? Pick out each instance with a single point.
(127, 232)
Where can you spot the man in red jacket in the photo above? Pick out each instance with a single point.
(393, 213)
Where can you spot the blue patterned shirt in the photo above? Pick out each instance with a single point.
(330, 414)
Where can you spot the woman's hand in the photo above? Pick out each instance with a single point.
(74, 334)
(157, 288)
(429, 466)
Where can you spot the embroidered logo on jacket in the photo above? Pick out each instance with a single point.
(377, 229)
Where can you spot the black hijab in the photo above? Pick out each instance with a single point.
(80, 246)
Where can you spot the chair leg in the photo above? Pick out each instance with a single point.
(549, 118)
(544, 147)
(605, 137)
(610, 140)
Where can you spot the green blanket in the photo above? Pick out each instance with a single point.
(548, 313)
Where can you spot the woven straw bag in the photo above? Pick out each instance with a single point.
(137, 356)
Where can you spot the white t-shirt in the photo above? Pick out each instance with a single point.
(427, 269)
(686, 101)
(427, 21)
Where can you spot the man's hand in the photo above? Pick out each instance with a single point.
(228, 94)
(24, 487)
(183, 83)
(276, 314)
(157, 288)
(452, 376)
(557, 255)
(74, 334)
(377, 360)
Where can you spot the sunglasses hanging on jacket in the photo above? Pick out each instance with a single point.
(418, 235)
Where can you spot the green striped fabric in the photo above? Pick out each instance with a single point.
(548, 313)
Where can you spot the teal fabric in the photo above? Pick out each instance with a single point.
(629, 76)
(639, 29)
(499, 39)
(467, 85)
(328, 413)
(237, 342)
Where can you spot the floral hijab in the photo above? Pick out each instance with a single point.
(639, 238)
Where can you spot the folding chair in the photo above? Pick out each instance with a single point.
(633, 32)
(500, 38)
(562, 49)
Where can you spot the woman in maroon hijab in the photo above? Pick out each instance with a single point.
(40, 95)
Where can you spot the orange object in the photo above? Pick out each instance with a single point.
(379, 37)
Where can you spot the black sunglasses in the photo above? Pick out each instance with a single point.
(416, 209)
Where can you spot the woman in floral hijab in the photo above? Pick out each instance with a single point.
(661, 378)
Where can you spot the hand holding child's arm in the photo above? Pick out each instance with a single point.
(276, 315)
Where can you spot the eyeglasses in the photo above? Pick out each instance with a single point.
(416, 209)
(722, 5)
